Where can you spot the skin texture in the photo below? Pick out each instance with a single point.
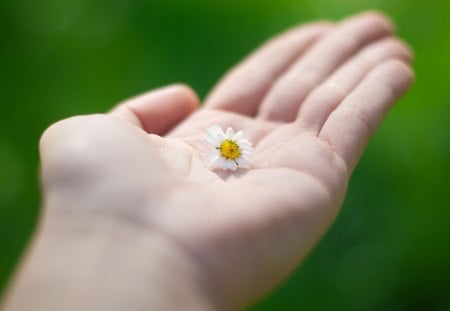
(127, 193)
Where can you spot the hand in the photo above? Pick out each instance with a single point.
(309, 99)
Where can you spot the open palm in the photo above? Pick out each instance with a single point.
(309, 100)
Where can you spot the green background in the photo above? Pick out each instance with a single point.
(389, 248)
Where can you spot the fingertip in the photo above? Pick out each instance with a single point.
(191, 99)
(381, 19)
(398, 74)
(409, 51)
(405, 51)
(376, 19)
(389, 46)
(376, 16)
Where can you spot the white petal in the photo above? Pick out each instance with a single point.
(244, 141)
(230, 133)
(231, 165)
(243, 162)
(210, 141)
(243, 158)
(215, 131)
(215, 136)
(215, 128)
(246, 150)
(220, 162)
(212, 155)
(238, 136)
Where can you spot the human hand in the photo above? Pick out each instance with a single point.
(309, 99)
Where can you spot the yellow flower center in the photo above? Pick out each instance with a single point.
(230, 150)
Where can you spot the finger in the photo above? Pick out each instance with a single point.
(160, 110)
(243, 88)
(287, 94)
(325, 98)
(349, 127)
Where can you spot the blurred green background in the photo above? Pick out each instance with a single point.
(389, 248)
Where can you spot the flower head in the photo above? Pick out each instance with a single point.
(231, 150)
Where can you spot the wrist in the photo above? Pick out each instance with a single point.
(76, 264)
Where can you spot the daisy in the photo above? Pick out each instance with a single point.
(231, 150)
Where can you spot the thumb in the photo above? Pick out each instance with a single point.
(160, 110)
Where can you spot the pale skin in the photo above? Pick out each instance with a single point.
(134, 219)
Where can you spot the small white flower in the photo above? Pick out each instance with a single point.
(231, 150)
